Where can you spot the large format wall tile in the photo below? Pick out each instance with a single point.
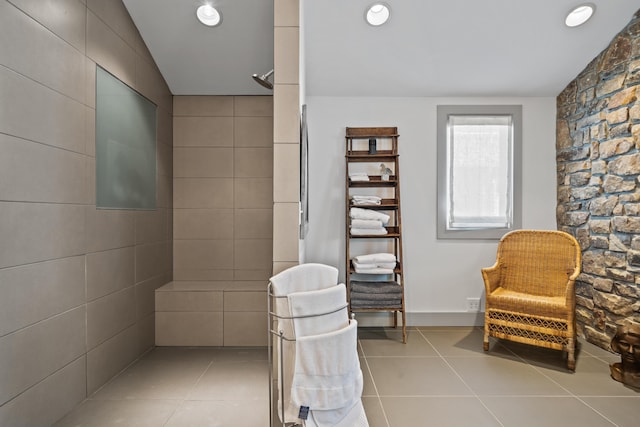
(33, 232)
(152, 226)
(203, 131)
(65, 18)
(286, 57)
(32, 354)
(152, 260)
(41, 55)
(108, 50)
(40, 114)
(253, 193)
(33, 172)
(203, 224)
(253, 223)
(114, 14)
(208, 193)
(109, 271)
(110, 315)
(253, 106)
(49, 400)
(286, 180)
(253, 132)
(35, 292)
(109, 229)
(189, 328)
(203, 162)
(219, 106)
(244, 328)
(68, 270)
(253, 162)
(112, 356)
(202, 254)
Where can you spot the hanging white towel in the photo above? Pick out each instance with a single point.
(327, 373)
(303, 277)
(319, 312)
(353, 416)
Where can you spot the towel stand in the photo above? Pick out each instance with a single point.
(281, 339)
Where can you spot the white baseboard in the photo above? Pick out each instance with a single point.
(383, 319)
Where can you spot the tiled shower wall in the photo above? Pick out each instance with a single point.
(76, 283)
(223, 209)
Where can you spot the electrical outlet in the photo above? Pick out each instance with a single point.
(473, 304)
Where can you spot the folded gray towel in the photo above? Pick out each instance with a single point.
(395, 303)
(367, 296)
(376, 287)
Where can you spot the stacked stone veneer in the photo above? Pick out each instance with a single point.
(598, 159)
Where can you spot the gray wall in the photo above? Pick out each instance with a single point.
(76, 283)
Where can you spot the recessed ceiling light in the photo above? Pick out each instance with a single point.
(579, 15)
(208, 15)
(377, 14)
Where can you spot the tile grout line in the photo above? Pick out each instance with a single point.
(575, 396)
(373, 382)
(461, 379)
(182, 401)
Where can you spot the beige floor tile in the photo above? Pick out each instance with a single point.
(534, 411)
(461, 342)
(115, 413)
(489, 376)
(388, 342)
(592, 378)
(207, 413)
(242, 380)
(374, 411)
(624, 411)
(415, 376)
(154, 379)
(437, 411)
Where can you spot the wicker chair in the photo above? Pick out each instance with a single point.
(530, 290)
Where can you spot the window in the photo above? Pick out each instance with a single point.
(125, 146)
(479, 167)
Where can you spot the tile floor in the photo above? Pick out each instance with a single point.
(441, 377)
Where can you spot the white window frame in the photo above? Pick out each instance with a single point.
(446, 228)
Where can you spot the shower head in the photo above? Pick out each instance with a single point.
(264, 79)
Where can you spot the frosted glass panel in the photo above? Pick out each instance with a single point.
(125, 146)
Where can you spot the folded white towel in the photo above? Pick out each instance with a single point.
(327, 373)
(365, 266)
(375, 258)
(366, 200)
(370, 266)
(319, 312)
(375, 270)
(368, 231)
(366, 223)
(358, 177)
(359, 213)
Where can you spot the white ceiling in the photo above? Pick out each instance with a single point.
(428, 48)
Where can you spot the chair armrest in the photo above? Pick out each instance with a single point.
(491, 276)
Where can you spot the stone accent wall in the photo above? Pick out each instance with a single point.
(598, 160)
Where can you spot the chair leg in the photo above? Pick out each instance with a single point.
(571, 354)
(485, 343)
